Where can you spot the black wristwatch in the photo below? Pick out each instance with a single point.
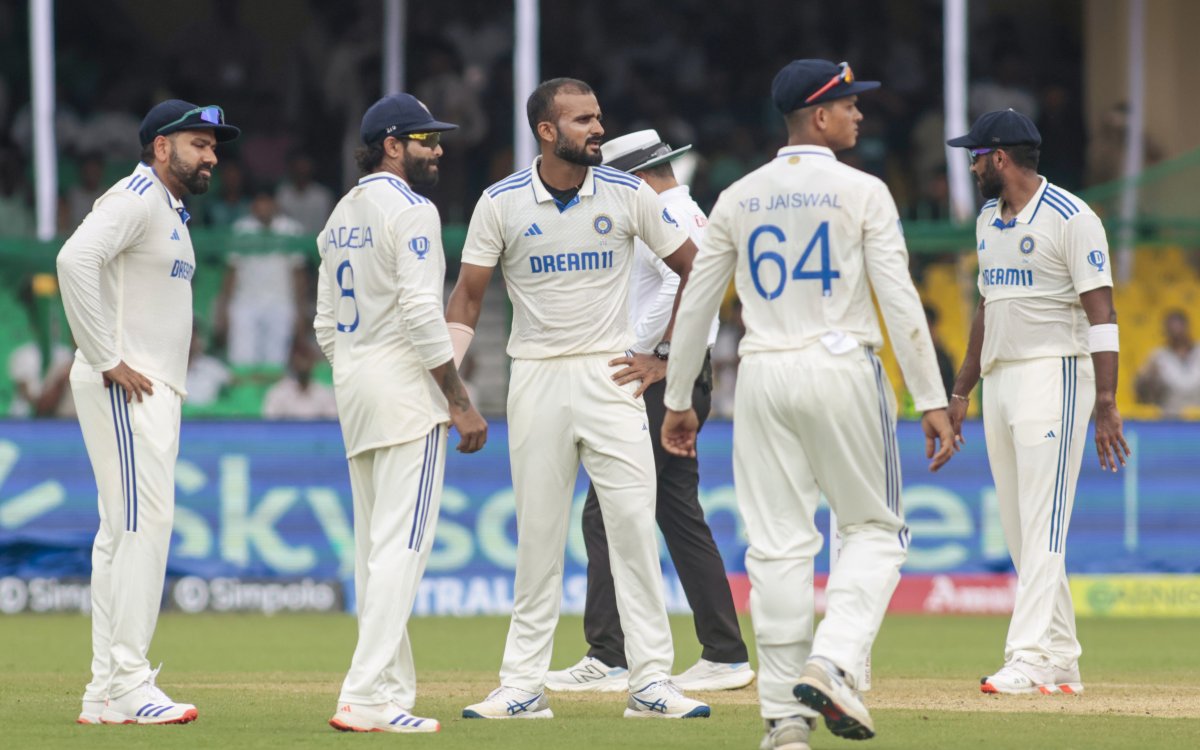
(663, 350)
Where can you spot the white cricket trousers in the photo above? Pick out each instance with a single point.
(1035, 418)
(397, 496)
(133, 447)
(561, 411)
(808, 422)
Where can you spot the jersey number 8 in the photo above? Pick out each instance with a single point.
(825, 274)
(346, 273)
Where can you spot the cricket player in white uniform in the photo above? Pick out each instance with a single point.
(563, 232)
(1045, 340)
(380, 323)
(126, 280)
(809, 239)
(724, 662)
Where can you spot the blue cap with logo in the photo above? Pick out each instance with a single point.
(396, 115)
(1004, 127)
(174, 115)
(803, 83)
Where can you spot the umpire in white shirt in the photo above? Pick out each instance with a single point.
(724, 661)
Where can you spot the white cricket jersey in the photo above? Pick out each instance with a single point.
(567, 266)
(653, 285)
(809, 238)
(379, 312)
(1032, 270)
(126, 281)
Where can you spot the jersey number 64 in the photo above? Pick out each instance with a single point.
(770, 257)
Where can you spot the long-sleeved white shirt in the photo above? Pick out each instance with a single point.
(379, 312)
(810, 238)
(653, 284)
(126, 281)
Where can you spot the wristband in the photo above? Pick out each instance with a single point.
(1103, 338)
(960, 398)
(460, 340)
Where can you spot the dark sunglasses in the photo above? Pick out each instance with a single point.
(978, 152)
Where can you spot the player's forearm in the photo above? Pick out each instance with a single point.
(427, 330)
(653, 325)
(79, 282)
(451, 385)
(698, 308)
(1105, 365)
(466, 301)
(968, 374)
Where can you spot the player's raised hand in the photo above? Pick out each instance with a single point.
(134, 383)
(940, 442)
(471, 426)
(644, 367)
(679, 432)
(1110, 439)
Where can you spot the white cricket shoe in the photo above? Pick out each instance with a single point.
(712, 675)
(91, 712)
(146, 704)
(386, 717)
(1068, 681)
(510, 703)
(1020, 678)
(787, 734)
(663, 700)
(824, 689)
(591, 675)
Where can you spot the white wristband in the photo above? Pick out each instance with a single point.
(1103, 338)
(460, 340)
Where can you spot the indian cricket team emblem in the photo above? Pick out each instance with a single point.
(1026, 245)
(1096, 259)
(603, 224)
(420, 246)
(669, 219)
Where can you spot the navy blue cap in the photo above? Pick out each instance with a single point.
(803, 83)
(397, 114)
(174, 115)
(1004, 127)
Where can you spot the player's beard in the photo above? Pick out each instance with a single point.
(990, 184)
(195, 179)
(421, 172)
(568, 153)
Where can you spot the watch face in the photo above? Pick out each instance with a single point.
(663, 350)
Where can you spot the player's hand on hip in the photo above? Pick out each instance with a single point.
(940, 442)
(644, 367)
(472, 429)
(134, 383)
(1110, 439)
(679, 432)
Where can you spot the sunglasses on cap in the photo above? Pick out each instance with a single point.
(844, 75)
(428, 140)
(978, 152)
(210, 113)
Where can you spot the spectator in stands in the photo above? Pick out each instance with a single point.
(297, 396)
(84, 193)
(1170, 378)
(231, 203)
(945, 364)
(301, 197)
(16, 213)
(40, 390)
(1106, 153)
(207, 376)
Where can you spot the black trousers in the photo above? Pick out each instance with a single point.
(689, 540)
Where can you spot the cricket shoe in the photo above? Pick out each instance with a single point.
(824, 689)
(787, 734)
(1020, 678)
(91, 712)
(712, 675)
(1068, 681)
(146, 704)
(510, 703)
(386, 717)
(591, 675)
(663, 700)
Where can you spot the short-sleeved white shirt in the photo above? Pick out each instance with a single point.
(1032, 270)
(567, 267)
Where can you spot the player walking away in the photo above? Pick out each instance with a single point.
(724, 662)
(562, 231)
(379, 322)
(126, 279)
(1048, 351)
(810, 239)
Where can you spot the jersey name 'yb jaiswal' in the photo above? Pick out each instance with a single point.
(790, 200)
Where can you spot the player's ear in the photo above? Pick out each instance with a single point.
(546, 131)
(162, 148)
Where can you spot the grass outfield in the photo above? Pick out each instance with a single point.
(273, 681)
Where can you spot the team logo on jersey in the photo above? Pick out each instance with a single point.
(982, 246)
(603, 224)
(1026, 245)
(669, 219)
(420, 246)
(1096, 259)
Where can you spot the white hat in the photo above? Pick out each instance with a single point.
(640, 150)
